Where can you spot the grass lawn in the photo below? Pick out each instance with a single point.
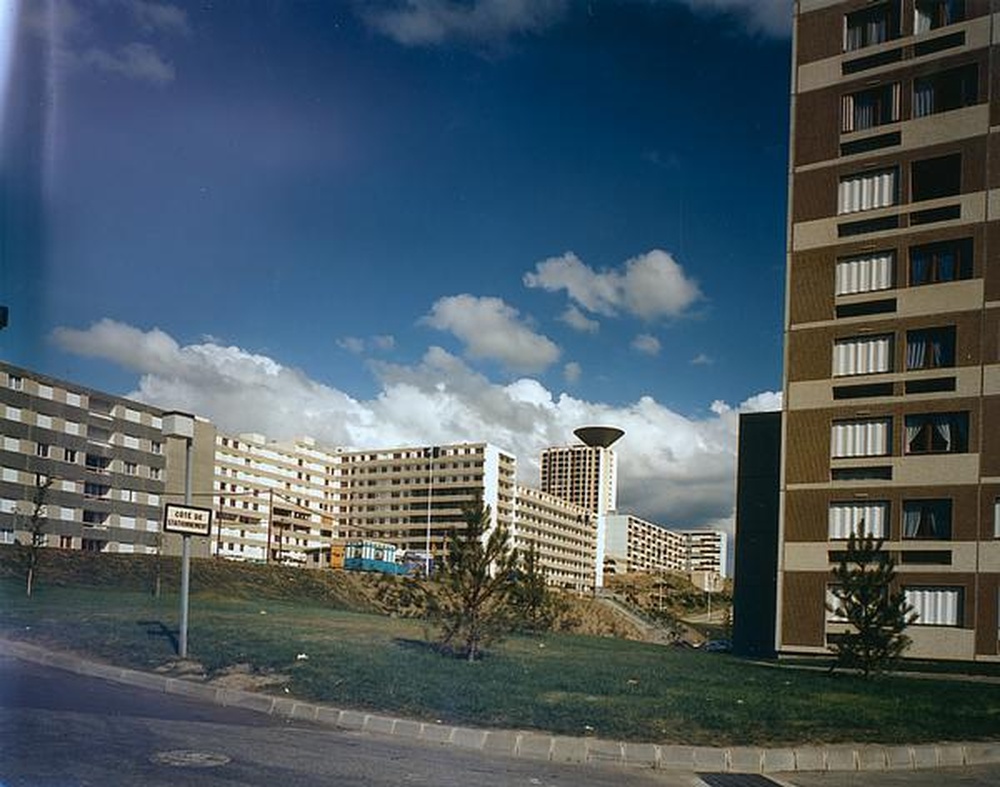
(571, 685)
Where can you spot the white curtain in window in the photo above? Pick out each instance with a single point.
(867, 355)
(922, 21)
(860, 438)
(860, 518)
(935, 606)
(996, 518)
(866, 273)
(916, 351)
(923, 97)
(870, 108)
(867, 192)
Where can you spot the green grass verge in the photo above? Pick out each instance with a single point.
(565, 684)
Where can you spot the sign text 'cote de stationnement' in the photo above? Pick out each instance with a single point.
(188, 520)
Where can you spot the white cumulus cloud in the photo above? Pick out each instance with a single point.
(647, 344)
(433, 22)
(579, 321)
(650, 286)
(491, 329)
(675, 469)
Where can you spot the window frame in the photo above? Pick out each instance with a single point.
(930, 435)
(937, 262)
(865, 16)
(941, 348)
(927, 510)
(959, 592)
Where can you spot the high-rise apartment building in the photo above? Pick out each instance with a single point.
(107, 467)
(582, 474)
(892, 372)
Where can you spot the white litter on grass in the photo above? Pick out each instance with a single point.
(302, 657)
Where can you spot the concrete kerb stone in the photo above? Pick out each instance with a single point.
(950, 755)
(436, 733)
(380, 725)
(538, 745)
(641, 755)
(841, 758)
(982, 753)
(746, 759)
(871, 758)
(503, 742)
(605, 751)
(408, 729)
(899, 758)
(534, 746)
(925, 757)
(352, 720)
(566, 749)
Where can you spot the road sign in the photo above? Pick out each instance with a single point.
(188, 520)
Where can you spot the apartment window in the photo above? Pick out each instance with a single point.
(865, 437)
(868, 191)
(930, 348)
(936, 177)
(65, 542)
(71, 427)
(69, 455)
(996, 518)
(155, 473)
(868, 518)
(42, 450)
(73, 399)
(871, 26)
(13, 413)
(870, 108)
(15, 383)
(862, 355)
(157, 448)
(939, 262)
(865, 273)
(94, 518)
(927, 519)
(131, 468)
(935, 606)
(937, 433)
(45, 391)
(932, 14)
(946, 90)
(91, 489)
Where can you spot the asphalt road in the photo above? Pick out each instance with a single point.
(63, 730)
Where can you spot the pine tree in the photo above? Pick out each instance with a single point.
(475, 585)
(877, 614)
(36, 529)
(535, 606)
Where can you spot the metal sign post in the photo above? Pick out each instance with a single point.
(186, 520)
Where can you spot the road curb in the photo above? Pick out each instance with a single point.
(541, 746)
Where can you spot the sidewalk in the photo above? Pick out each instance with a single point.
(536, 745)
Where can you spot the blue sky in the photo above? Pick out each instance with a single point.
(409, 222)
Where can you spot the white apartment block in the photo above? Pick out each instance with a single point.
(109, 463)
(413, 497)
(637, 545)
(707, 551)
(563, 534)
(274, 501)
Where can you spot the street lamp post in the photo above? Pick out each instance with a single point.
(432, 453)
(182, 425)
